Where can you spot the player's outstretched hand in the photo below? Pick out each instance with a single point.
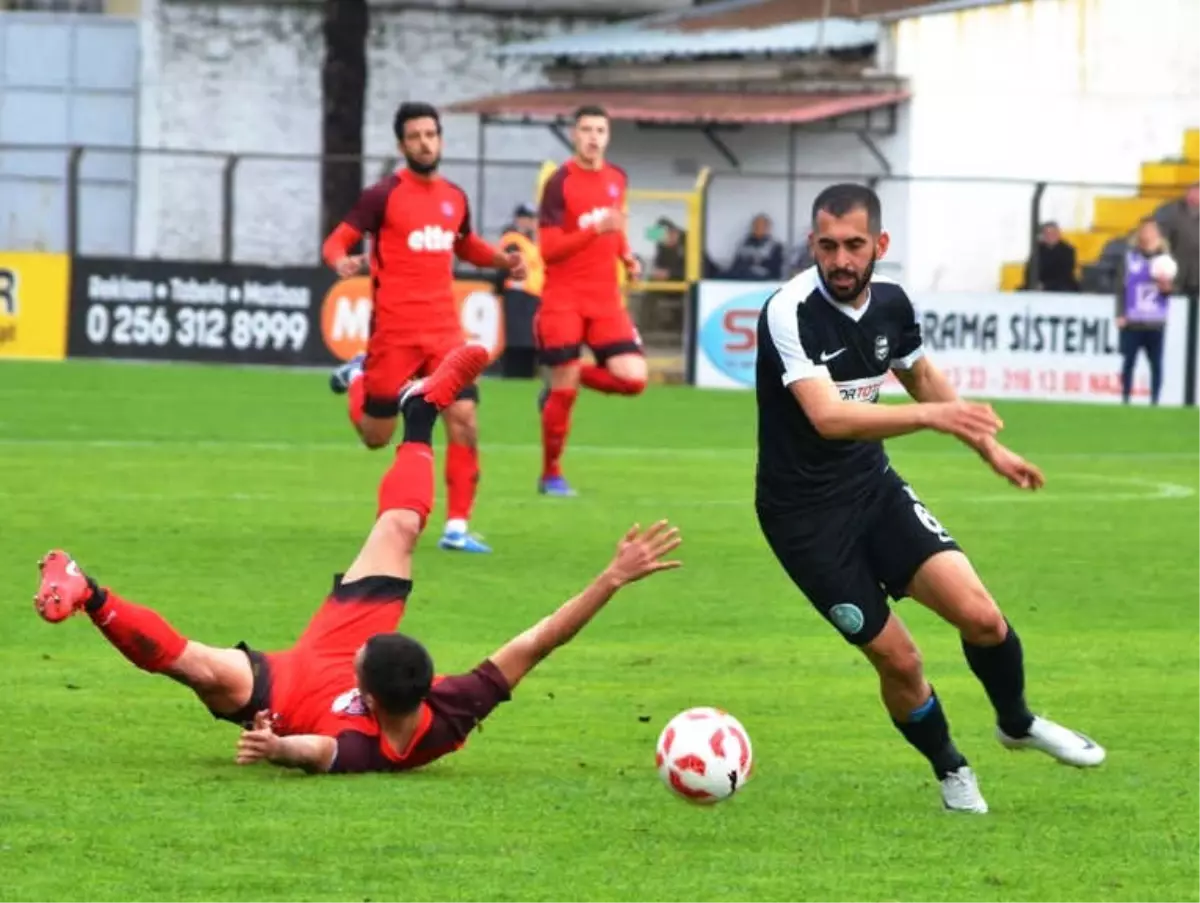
(1013, 467)
(259, 743)
(633, 268)
(970, 421)
(640, 553)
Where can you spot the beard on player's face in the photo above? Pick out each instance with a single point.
(844, 282)
(424, 165)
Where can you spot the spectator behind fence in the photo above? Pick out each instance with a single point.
(1180, 225)
(1055, 263)
(1143, 286)
(759, 257)
(670, 252)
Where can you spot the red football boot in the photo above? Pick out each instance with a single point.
(64, 589)
(460, 369)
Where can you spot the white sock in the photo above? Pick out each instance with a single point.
(456, 525)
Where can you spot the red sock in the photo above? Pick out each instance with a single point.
(556, 423)
(140, 634)
(462, 476)
(356, 394)
(601, 380)
(408, 484)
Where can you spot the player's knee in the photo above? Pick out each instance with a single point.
(400, 527)
(901, 667)
(982, 623)
(631, 368)
(375, 435)
(565, 376)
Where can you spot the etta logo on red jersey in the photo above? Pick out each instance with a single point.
(595, 217)
(704, 755)
(431, 238)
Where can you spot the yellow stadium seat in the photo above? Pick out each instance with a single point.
(1012, 275)
(1168, 180)
(1114, 217)
(1122, 214)
(1191, 146)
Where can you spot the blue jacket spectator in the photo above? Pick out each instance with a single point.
(759, 258)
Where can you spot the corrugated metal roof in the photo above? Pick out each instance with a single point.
(730, 28)
(681, 106)
(733, 28)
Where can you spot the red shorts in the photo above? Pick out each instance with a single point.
(561, 333)
(301, 684)
(392, 362)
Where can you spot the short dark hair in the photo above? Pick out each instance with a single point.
(410, 110)
(839, 200)
(589, 109)
(396, 671)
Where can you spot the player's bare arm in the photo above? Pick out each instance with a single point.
(639, 554)
(927, 384)
(835, 418)
(307, 752)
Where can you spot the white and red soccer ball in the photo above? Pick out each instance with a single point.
(704, 755)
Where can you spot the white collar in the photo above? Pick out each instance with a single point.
(854, 313)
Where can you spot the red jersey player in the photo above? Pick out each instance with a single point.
(419, 223)
(582, 238)
(352, 695)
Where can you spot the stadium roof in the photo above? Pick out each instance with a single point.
(680, 107)
(736, 28)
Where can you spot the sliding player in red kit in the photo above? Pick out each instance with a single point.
(419, 223)
(352, 695)
(581, 235)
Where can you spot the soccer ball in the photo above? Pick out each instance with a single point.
(704, 755)
(1164, 267)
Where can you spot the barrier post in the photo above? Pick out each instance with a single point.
(228, 193)
(74, 163)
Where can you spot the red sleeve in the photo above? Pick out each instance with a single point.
(339, 243)
(553, 241)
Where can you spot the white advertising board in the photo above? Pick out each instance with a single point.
(1031, 345)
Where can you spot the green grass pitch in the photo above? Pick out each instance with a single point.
(227, 497)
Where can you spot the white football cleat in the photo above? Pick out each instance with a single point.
(1064, 744)
(960, 792)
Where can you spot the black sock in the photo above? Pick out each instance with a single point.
(929, 732)
(96, 598)
(419, 418)
(1001, 670)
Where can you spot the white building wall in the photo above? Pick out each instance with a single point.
(247, 79)
(1057, 90)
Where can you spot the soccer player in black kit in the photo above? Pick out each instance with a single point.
(844, 525)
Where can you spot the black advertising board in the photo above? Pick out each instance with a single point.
(197, 311)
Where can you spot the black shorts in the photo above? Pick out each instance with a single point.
(847, 561)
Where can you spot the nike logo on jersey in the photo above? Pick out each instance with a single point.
(827, 356)
(73, 569)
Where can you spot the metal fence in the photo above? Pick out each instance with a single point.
(951, 232)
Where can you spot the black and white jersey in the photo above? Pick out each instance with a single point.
(804, 334)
